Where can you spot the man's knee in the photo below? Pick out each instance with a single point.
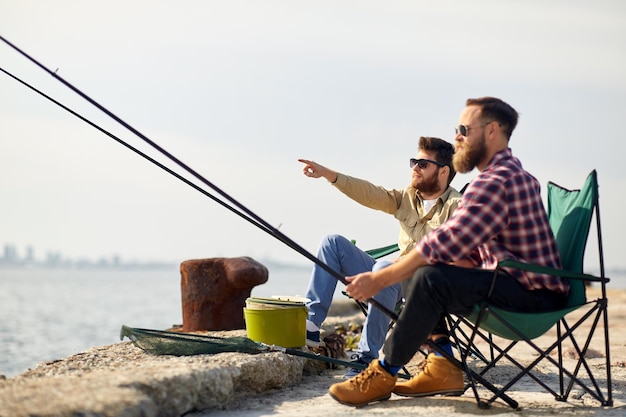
(334, 240)
(446, 287)
(382, 264)
(330, 244)
(428, 279)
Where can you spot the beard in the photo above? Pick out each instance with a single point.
(467, 158)
(427, 185)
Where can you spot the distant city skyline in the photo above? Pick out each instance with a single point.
(239, 91)
(12, 256)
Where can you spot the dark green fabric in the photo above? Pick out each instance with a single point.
(159, 342)
(570, 213)
(385, 250)
(531, 325)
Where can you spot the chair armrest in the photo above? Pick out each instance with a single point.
(511, 263)
(385, 250)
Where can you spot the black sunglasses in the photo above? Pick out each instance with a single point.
(423, 163)
(464, 129)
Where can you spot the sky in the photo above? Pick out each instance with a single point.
(240, 90)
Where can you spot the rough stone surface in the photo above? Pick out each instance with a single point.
(214, 291)
(121, 380)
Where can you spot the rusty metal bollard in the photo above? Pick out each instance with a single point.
(214, 291)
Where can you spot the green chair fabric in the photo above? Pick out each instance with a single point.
(570, 213)
(383, 251)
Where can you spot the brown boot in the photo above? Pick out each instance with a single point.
(439, 376)
(373, 384)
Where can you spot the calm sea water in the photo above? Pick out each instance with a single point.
(49, 314)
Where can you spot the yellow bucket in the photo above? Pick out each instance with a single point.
(276, 322)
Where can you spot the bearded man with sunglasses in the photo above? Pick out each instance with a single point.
(425, 204)
(501, 215)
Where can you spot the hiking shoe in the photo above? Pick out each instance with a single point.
(439, 377)
(373, 384)
(313, 339)
(352, 372)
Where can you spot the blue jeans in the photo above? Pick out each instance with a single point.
(344, 257)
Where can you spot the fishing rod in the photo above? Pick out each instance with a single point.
(127, 145)
(249, 215)
(152, 160)
(137, 151)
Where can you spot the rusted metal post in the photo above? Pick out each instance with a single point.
(214, 291)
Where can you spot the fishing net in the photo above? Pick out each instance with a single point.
(161, 342)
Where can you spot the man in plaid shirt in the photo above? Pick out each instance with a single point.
(501, 215)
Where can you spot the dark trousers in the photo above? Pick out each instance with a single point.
(434, 290)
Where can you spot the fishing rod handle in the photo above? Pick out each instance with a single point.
(393, 316)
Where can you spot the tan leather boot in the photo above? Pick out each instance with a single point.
(373, 384)
(439, 377)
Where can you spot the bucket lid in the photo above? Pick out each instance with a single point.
(261, 302)
(297, 298)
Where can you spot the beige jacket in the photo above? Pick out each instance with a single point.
(406, 206)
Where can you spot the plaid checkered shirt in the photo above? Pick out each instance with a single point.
(501, 216)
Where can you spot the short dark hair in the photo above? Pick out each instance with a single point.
(492, 108)
(443, 152)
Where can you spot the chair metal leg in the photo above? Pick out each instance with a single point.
(564, 332)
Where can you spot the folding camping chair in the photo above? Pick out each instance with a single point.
(570, 213)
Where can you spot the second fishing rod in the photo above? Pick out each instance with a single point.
(241, 210)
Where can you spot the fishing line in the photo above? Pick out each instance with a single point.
(147, 157)
(127, 145)
(137, 151)
(250, 216)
